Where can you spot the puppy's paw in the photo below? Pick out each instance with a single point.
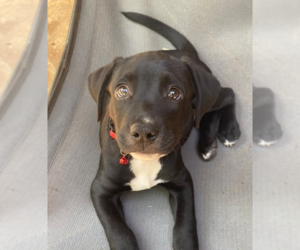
(266, 129)
(229, 134)
(264, 143)
(266, 132)
(208, 152)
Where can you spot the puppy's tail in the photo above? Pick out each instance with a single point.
(178, 40)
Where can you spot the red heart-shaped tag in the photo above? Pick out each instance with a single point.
(123, 160)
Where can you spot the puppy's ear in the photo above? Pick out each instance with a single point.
(98, 83)
(207, 89)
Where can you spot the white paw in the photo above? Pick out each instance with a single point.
(165, 49)
(207, 155)
(229, 143)
(266, 143)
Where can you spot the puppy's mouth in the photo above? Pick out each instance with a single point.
(143, 151)
(146, 152)
(149, 150)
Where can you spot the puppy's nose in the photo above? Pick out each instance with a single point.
(145, 132)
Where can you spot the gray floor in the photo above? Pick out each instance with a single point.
(23, 160)
(221, 32)
(276, 173)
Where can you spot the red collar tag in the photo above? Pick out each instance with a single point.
(123, 160)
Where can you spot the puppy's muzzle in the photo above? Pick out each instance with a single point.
(144, 132)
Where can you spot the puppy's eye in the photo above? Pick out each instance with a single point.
(122, 91)
(175, 94)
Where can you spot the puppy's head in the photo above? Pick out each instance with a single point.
(151, 99)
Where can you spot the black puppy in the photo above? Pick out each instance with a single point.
(266, 129)
(147, 105)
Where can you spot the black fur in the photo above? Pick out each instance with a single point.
(149, 77)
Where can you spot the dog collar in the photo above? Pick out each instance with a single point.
(112, 133)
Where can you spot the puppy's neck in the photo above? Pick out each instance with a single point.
(145, 174)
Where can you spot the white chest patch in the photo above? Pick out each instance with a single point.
(145, 173)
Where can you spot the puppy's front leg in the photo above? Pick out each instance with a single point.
(110, 212)
(183, 209)
(229, 130)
